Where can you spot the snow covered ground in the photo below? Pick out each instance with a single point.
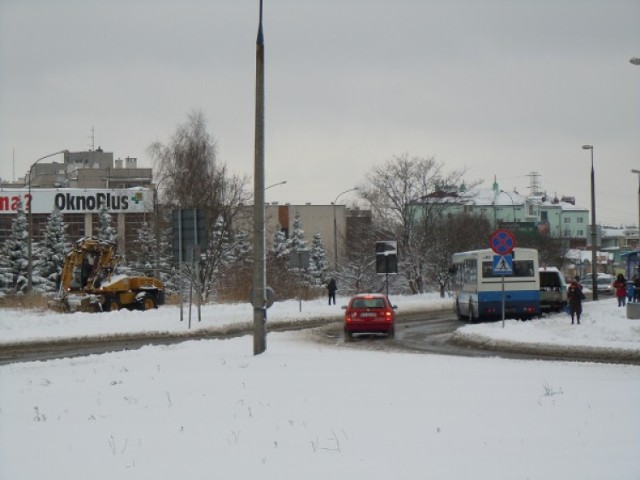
(210, 409)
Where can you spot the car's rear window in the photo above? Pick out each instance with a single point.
(368, 303)
(549, 279)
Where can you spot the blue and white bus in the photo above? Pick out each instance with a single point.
(478, 292)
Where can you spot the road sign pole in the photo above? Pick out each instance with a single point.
(502, 301)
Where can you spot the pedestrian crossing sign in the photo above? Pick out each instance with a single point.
(502, 265)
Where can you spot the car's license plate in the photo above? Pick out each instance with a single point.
(368, 314)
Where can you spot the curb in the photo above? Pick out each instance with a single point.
(568, 352)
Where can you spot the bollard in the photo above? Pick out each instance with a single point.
(633, 311)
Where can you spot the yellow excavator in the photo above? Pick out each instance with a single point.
(89, 282)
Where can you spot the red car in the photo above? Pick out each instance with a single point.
(369, 313)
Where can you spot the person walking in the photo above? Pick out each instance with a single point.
(621, 289)
(574, 298)
(331, 290)
(636, 284)
(631, 291)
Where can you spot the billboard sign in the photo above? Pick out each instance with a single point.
(77, 200)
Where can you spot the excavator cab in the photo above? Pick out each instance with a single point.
(88, 281)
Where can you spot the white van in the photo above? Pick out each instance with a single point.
(553, 289)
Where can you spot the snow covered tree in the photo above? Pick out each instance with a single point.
(144, 251)
(317, 259)
(15, 257)
(53, 252)
(278, 264)
(105, 231)
(280, 245)
(236, 271)
(297, 241)
(241, 251)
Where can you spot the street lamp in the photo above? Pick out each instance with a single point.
(275, 184)
(594, 257)
(30, 229)
(634, 60)
(335, 226)
(638, 173)
(513, 205)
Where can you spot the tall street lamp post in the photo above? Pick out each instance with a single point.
(636, 61)
(335, 227)
(638, 173)
(259, 299)
(513, 205)
(594, 234)
(30, 226)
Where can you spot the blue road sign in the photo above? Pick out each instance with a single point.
(502, 265)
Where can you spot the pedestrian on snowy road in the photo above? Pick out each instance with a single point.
(621, 289)
(574, 298)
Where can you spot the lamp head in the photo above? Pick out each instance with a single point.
(587, 147)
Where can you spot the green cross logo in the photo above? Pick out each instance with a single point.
(137, 198)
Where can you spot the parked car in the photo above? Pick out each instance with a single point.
(604, 284)
(553, 290)
(369, 313)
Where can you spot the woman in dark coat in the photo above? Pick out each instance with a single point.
(574, 297)
(331, 290)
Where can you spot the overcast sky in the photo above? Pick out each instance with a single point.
(497, 87)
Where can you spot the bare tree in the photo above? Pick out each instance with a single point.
(451, 234)
(193, 177)
(403, 194)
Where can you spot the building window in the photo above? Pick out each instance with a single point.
(580, 220)
(580, 233)
(567, 219)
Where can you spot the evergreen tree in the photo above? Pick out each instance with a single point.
(167, 266)
(145, 251)
(214, 258)
(297, 241)
(318, 259)
(236, 272)
(241, 252)
(15, 258)
(280, 246)
(105, 231)
(52, 254)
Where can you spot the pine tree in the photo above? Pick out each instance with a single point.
(15, 258)
(236, 271)
(167, 266)
(297, 241)
(145, 251)
(52, 254)
(105, 231)
(317, 259)
(280, 246)
(241, 252)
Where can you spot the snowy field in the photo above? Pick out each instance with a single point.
(210, 409)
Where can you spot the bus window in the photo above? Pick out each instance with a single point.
(523, 268)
